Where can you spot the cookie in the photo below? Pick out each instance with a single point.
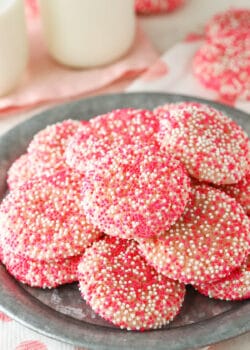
(50, 143)
(122, 288)
(236, 286)
(135, 191)
(115, 129)
(209, 241)
(20, 171)
(228, 23)
(224, 66)
(157, 6)
(241, 192)
(29, 167)
(45, 274)
(43, 219)
(45, 154)
(211, 145)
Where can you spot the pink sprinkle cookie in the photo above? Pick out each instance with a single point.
(135, 191)
(209, 241)
(45, 274)
(43, 219)
(157, 6)
(20, 171)
(45, 153)
(211, 146)
(236, 286)
(28, 167)
(122, 288)
(160, 111)
(228, 23)
(50, 143)
(241, 192)
(224, 66)
(115, 129)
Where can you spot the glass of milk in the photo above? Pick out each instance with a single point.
(13, 44)
(88, 33)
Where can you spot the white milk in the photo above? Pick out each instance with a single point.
(13, 44)
(88, 33)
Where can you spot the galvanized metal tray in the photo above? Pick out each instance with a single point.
(61, 313)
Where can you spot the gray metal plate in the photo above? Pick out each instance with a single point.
(61, 313)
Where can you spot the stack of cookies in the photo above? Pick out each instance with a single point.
(43, 228)
(134, 205)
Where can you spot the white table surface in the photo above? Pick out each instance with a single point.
(165, 31)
